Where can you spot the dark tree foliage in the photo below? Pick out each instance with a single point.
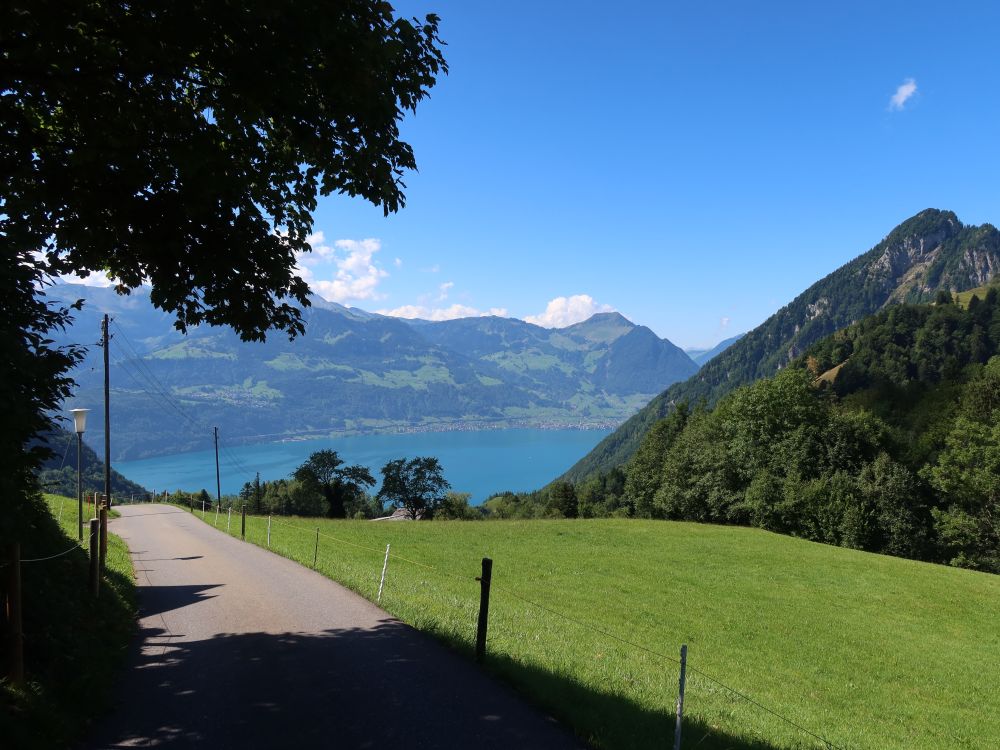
(342, 486)
(417, 485)
(184, 144)
(882, 437)
(33, 382)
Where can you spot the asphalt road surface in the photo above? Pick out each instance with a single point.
(241, 648)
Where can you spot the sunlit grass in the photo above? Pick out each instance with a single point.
(865, 650)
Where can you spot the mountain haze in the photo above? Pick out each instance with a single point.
(926, 253)
(702, 356)
(354, 371)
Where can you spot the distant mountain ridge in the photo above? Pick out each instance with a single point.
(931, 251)
(355, 371)
(702, 356)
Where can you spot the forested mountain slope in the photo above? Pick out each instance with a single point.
(884, 436)
(354, 371)
(929, 252)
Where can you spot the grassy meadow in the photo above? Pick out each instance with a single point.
(864, 650)
(74, 646)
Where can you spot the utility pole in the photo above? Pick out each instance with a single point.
(218, 485)
(107, 416)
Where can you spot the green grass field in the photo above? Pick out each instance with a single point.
(74, 645)
(865, 650)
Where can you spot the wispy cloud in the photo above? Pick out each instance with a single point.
(344, 271)
(442, 313)
(904, 91)
(444, 289)
(565, 311)
(724, 321)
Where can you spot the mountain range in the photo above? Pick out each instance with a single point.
(354, 371)
(702, 356)
(929, 252)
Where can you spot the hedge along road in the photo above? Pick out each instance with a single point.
(241, 648)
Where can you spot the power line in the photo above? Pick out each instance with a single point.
(137, 362)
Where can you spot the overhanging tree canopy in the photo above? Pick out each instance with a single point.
(185, 142)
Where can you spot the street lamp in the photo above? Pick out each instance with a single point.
(80, 422)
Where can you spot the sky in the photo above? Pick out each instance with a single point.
(692, 165)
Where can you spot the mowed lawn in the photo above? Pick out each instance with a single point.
(863, 650)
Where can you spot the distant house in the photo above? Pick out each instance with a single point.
(400, 514)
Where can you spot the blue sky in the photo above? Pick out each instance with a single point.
(694, 165)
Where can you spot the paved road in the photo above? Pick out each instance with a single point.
(240, 648)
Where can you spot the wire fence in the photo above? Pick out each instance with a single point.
(407, 597)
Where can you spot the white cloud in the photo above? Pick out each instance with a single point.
(444, 289)
(724, 321)
(903, 93)
(342, 272)
(442, 313)
(565, 311)
(398, 262)
(96, 278)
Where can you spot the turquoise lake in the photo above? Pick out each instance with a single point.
(481, 462)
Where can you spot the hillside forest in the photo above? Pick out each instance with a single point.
(884, 436)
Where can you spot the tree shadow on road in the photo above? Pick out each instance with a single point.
(383, 687)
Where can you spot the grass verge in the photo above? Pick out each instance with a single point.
(73, 645)
(865, 650)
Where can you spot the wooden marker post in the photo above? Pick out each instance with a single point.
(243, 522)
(95, 557)
(316, 549)
(269, 532)
(103, 517)
(12, 615)
(484, 608)
(680, 698)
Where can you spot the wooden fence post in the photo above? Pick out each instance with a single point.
(104, 535)
(484, 608)
(243, 523)
(316, 549)
(269, 532)
(95, 557)
(680, 699)
(13, 615)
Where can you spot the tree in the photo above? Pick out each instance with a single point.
(341, 487)
(33, 382)
(183, 145)
(967, 477)
(417, 485)
(455, 507)
(562, 500)
(141, 139)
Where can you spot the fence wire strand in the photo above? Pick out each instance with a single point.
(587, 626)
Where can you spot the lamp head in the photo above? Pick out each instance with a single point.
(80, 420)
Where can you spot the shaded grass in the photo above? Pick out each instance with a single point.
(73, 645)
(866, 650)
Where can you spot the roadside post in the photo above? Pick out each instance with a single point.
(95, 557)
(484, 608)
(680, 698)
(12, 615)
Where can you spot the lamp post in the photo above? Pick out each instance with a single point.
(80, 422)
